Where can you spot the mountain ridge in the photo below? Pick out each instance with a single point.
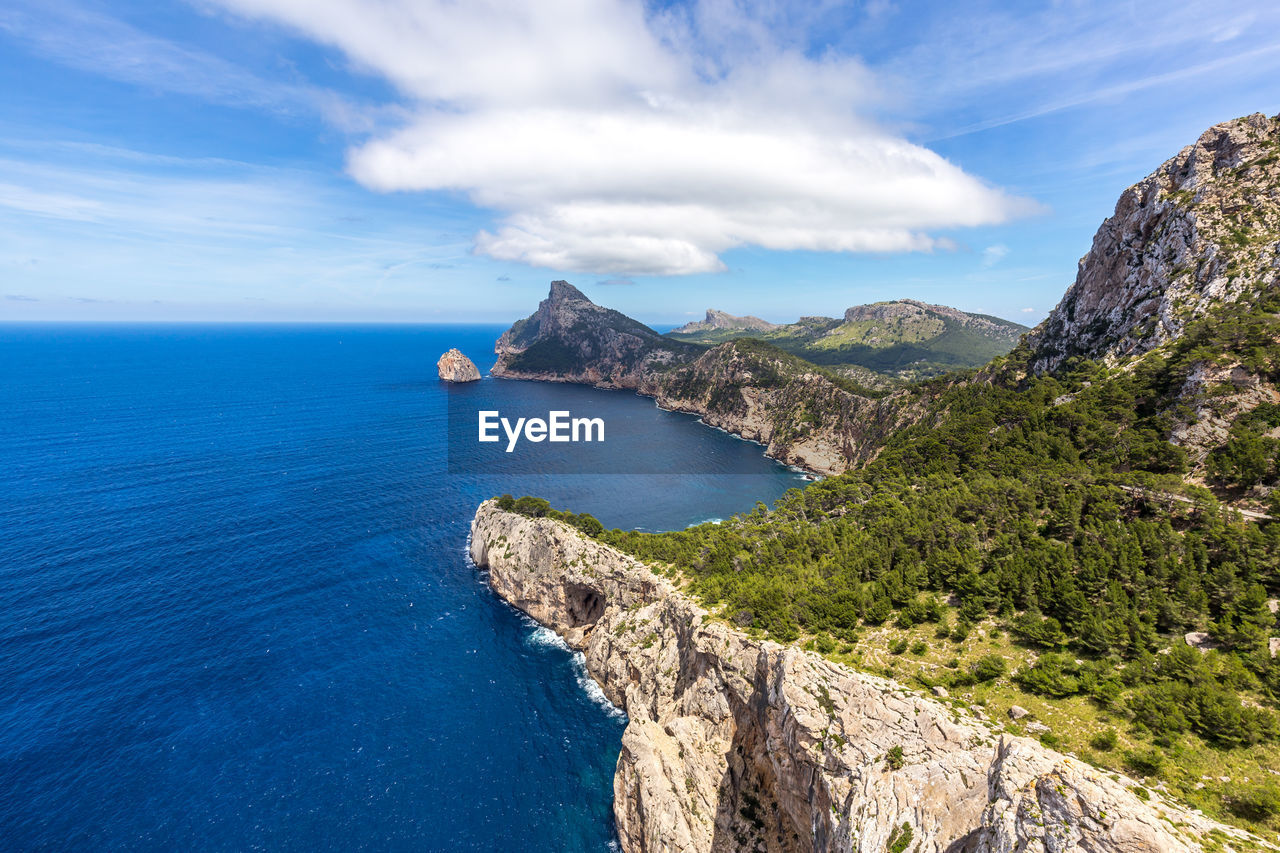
(904, 338)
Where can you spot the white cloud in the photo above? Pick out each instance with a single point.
(614, 142)
(993, 255)
(1028, 310)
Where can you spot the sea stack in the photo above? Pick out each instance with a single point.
(456, 367)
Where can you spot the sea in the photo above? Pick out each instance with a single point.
(236, 609)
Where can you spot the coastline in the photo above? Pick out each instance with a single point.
(778, 453)
(736, 743)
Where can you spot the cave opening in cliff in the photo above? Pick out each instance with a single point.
(586, 606)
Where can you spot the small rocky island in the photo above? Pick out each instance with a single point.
(456, 367)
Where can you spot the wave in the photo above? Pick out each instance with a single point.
(544, 637)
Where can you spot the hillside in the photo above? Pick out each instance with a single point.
(904, 340)
(1035, 539)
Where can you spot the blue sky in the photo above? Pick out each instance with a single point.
(424, 160)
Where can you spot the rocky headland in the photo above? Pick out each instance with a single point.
(734, 743)
(804, 415)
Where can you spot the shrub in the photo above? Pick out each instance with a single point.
(895, 759)
(901, 838)
(1053, 675)
(531, 506)
(1144, 762)
(1104, 741)
(1256, 803)
(1034, 630)
(989, 668)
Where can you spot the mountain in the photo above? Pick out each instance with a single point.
(905, 339)
(1201, 231)
(571, 339)
(1188, 269)
(720, 321)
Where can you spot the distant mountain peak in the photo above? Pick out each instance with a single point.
(569, 336)
(723, 320)
(563, 291)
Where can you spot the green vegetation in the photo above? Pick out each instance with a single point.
(769, 367)
(540, 508)
(1250, 456)
(901, 839)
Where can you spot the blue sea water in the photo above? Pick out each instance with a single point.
(236, 612)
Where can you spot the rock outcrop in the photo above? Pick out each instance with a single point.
(1199, 234)
(740, 744)
(1200, 231)
(572, 339)
(453, 366)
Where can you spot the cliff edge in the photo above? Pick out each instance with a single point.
(734, 743)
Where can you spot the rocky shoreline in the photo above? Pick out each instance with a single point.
(735, 743)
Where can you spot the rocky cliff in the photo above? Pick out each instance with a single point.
(739, 744)
(1196, 239)
(1201, 231)
(803, 415)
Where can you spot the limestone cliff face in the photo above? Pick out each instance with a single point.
(740, 744)
(453, 366)
(1201, 230)
(801, 416)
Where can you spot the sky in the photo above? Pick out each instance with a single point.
(436, 161)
